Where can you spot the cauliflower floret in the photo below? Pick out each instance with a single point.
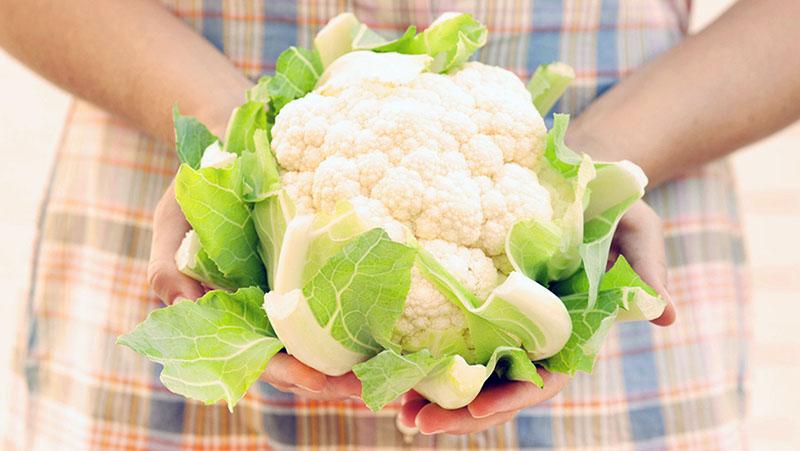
(371, 168)
(483, 156)
(515, 196)
(470, 266)
(375, 214)
(335, 179)
(459, 125)
(503, 111)
(402, 192)
(428, 314)
(298, 187)
(408, 124)
(432, 165)
(441, 90)
(341, 139)
(451, 210)
(525, 197)
(300, 130)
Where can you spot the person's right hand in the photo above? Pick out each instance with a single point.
(283, 372)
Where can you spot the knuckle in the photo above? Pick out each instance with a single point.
(269, 378)
(658, 223)
(158, 277)
(154, 273)
(653, 218)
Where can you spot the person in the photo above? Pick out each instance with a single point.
(644, 92)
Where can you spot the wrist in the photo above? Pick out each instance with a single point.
(602, 141)
(583, 137)
(215, 113)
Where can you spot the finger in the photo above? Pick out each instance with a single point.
(433, 419)
(515, 395)
(410, 396)
(344, 386)
(668, 316)
(613, 255)
(285, 370)
(641, 241)
(169, 284)
(169, 228)
(321, 396)
(409, 408)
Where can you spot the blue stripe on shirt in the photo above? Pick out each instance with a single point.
(544, 42)
(607, 48)
(280, 29)
(213, 23)
(535, 428)
(640, 375)
(279, 424)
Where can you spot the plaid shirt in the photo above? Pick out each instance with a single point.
(673, 388)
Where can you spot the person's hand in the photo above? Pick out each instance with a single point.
(639, 238)
(284, 372)
(170, 226)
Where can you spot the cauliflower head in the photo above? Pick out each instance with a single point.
(451, 157)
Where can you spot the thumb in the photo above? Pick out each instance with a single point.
(169, 228)
(641, 240)
(169, 284)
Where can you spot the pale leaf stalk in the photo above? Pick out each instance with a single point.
(548, 84)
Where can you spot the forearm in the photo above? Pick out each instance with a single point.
(734, 83)
(131, 57)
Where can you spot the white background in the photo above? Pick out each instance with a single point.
(32, 112)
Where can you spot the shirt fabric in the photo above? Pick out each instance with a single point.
(681, 387)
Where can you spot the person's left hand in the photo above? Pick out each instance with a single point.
(640, 240)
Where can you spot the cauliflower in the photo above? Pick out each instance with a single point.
(449, 156)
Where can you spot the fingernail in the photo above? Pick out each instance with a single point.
(423, 432)
(478, 416)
